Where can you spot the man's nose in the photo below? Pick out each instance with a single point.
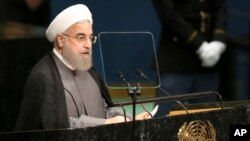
(88, 44)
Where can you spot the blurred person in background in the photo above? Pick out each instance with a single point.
(36, 12)
(191, 44)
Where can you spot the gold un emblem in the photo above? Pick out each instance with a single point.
(197, 131)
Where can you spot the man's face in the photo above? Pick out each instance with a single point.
(77, 48)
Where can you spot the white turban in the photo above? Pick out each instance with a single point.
(67, 18)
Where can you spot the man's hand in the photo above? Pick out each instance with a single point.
(116, 119)
(143, 116)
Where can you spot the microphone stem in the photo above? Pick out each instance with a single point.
(177, 101)
(165, 92)
(132, 92)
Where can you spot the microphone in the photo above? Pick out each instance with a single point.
(131, 92)
(141, 74)
(131, 89)
(121, 76)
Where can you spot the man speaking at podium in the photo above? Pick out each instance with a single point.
(63, 90)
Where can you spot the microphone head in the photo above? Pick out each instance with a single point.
(139, 72)
(120, 75)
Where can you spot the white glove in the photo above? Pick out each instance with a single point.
(201, 48)
(209, 53)
(220, 46)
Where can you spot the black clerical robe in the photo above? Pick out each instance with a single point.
(44, 105)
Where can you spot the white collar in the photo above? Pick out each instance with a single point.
(65, 62)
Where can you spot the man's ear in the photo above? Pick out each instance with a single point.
(60, 41)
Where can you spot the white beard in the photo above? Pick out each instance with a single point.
(79, 61)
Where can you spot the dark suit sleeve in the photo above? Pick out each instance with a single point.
(220, 18)
(43, 105)
(29, 115)
(174, 21)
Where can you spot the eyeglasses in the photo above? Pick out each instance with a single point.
(82, 38)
